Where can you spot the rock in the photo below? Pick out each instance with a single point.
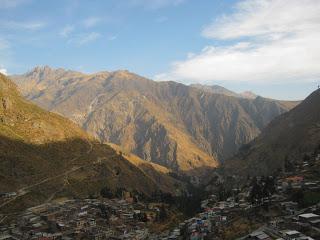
(6, 103)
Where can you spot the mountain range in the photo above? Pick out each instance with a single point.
(184, 128)
(44, 156)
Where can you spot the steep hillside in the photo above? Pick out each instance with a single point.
(286, 139)
(161, 175)
(43, 156)
(180, 127)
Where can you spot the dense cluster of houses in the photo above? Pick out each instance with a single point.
(83, 219)
(294, 223)
(217, 215)
(295, 227)
(214, 215)
(127, 219)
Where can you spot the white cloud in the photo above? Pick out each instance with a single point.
(281, 45)
(83, 39)
(3, 71)
(155, 4)
(91, 22)
(14, 25)
(89, 38)
(66, 31)
(266, 18)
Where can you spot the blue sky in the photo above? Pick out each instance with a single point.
(242, 45)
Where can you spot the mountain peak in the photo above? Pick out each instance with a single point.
(248, 94)
(124, 74)
(44, 68)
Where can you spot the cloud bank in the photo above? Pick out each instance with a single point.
(261, 41)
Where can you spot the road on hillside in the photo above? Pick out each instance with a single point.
(23, 191)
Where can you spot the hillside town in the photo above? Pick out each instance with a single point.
(289, 209)
(84, 219)
(262, 209)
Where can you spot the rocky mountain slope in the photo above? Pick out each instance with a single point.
(177, 126)
(43, 156)
(286, 139)
(221, 90)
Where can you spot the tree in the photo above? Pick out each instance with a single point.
(288, 165)
(106, 193)
(256, 191)
(306, 158)
(162, 213)
(298, 197)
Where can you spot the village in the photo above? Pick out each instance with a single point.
(84, 219)
(263, 208)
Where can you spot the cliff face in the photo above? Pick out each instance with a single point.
(287, 138)
(180, 127)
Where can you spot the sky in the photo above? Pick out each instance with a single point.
(270, 47)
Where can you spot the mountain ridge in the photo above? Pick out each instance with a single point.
(174, 125)
(222, 90)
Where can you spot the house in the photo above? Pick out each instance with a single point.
(291, 234)
(259, 236)
(308, 217)
(289, 207)
(92, 222)
(276, 222)
(8, 194)
(295, 179)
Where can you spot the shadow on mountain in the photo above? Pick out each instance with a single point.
(73, 168)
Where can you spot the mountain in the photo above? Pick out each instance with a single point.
(288, 138)
(177, 126)
(43, 156)
(221, 90)
(248, 94)
(215, 89)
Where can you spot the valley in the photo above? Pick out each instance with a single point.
(159, 120)
(130, 162)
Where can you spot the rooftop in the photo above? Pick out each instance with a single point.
(308, 215)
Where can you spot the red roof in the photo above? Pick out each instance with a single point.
(295, 178)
